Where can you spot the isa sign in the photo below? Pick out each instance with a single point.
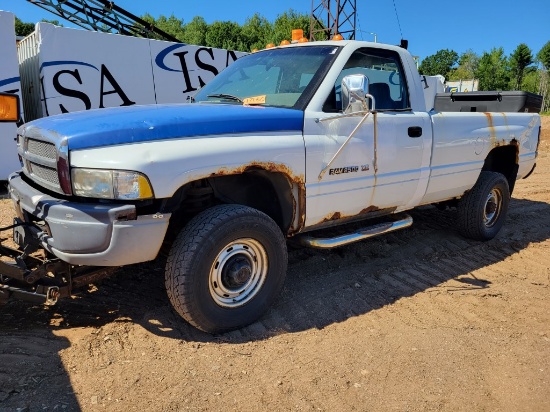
(82, 70)
(179, 70)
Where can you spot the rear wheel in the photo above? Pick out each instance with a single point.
(482, 211)
(226, 268)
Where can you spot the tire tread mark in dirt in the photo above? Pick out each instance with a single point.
(395, 283)
(430, 280)
(275, 321)
(351, 303)
(410, 280)
(255, 329)
(295, 315)
(539, 257)
(320, 311)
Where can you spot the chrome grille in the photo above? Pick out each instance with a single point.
(40, 156)
(41, 149)
(43, 174)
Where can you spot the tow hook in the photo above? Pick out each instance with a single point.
(52, 294)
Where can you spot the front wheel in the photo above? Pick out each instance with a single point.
(482, 211)
(226, 268)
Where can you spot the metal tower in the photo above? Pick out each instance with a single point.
(331, 17)
(102, 15)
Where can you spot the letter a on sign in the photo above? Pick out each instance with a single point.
(106, 74)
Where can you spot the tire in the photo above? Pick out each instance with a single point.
(482, 211)
(226, 267)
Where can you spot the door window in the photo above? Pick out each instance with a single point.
(385, 73)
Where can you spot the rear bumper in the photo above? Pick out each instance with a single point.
(90, 233)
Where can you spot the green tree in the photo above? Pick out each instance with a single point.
(544, 55)
(23, 29)
(467, 65)
(493, 71)
(195, 31)
(440, 63)
(224, 35)
(286, 22)
(256, 32)
(171, 25)
(55, 22)
(531, 81)
(520, 60)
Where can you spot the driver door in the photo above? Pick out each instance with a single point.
(369, 174)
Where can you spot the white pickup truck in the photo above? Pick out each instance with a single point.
(282, 143)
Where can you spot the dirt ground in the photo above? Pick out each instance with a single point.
(418, 320)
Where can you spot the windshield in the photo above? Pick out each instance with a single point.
(277, 77)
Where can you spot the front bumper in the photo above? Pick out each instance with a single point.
(91, 234)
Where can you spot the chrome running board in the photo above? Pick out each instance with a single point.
(365, 233)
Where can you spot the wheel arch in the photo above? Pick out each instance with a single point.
(504, 160)
(270, 192)
(273, 192)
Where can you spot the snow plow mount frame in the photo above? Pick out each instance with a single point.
(40, 280)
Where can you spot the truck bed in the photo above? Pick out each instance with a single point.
(505, 101)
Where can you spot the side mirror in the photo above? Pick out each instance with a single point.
(9, 107)
(355, 90)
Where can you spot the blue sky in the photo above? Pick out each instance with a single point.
(429, 25)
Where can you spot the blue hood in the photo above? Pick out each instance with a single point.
(123, 125)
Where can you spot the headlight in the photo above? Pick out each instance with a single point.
(110, 184)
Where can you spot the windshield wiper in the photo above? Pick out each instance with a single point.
(226, 96)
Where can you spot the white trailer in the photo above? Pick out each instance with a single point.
(9, 82)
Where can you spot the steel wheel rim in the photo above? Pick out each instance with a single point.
(238, 273)
(493, 205)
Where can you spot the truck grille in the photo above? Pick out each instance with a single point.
(42, 174)
(41, 149)
(40, 161)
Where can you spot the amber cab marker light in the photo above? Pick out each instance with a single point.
(269, 46)
(338, 37)
(9, 107)
(285, 43)
(297, 35)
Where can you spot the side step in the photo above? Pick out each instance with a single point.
(365, 233)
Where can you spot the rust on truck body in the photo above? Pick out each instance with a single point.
(296, 183)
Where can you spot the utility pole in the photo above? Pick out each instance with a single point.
(331, 17)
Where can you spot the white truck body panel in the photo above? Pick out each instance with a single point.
(462, 141)
(399, 175)
(162, 161)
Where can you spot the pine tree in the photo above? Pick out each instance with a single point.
(520, 60)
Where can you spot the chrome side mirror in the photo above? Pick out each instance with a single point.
(355, 91)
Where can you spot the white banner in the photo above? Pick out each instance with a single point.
(179, 70)
(9, 83)
(82, 70)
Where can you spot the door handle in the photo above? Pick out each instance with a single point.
(415, 131)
